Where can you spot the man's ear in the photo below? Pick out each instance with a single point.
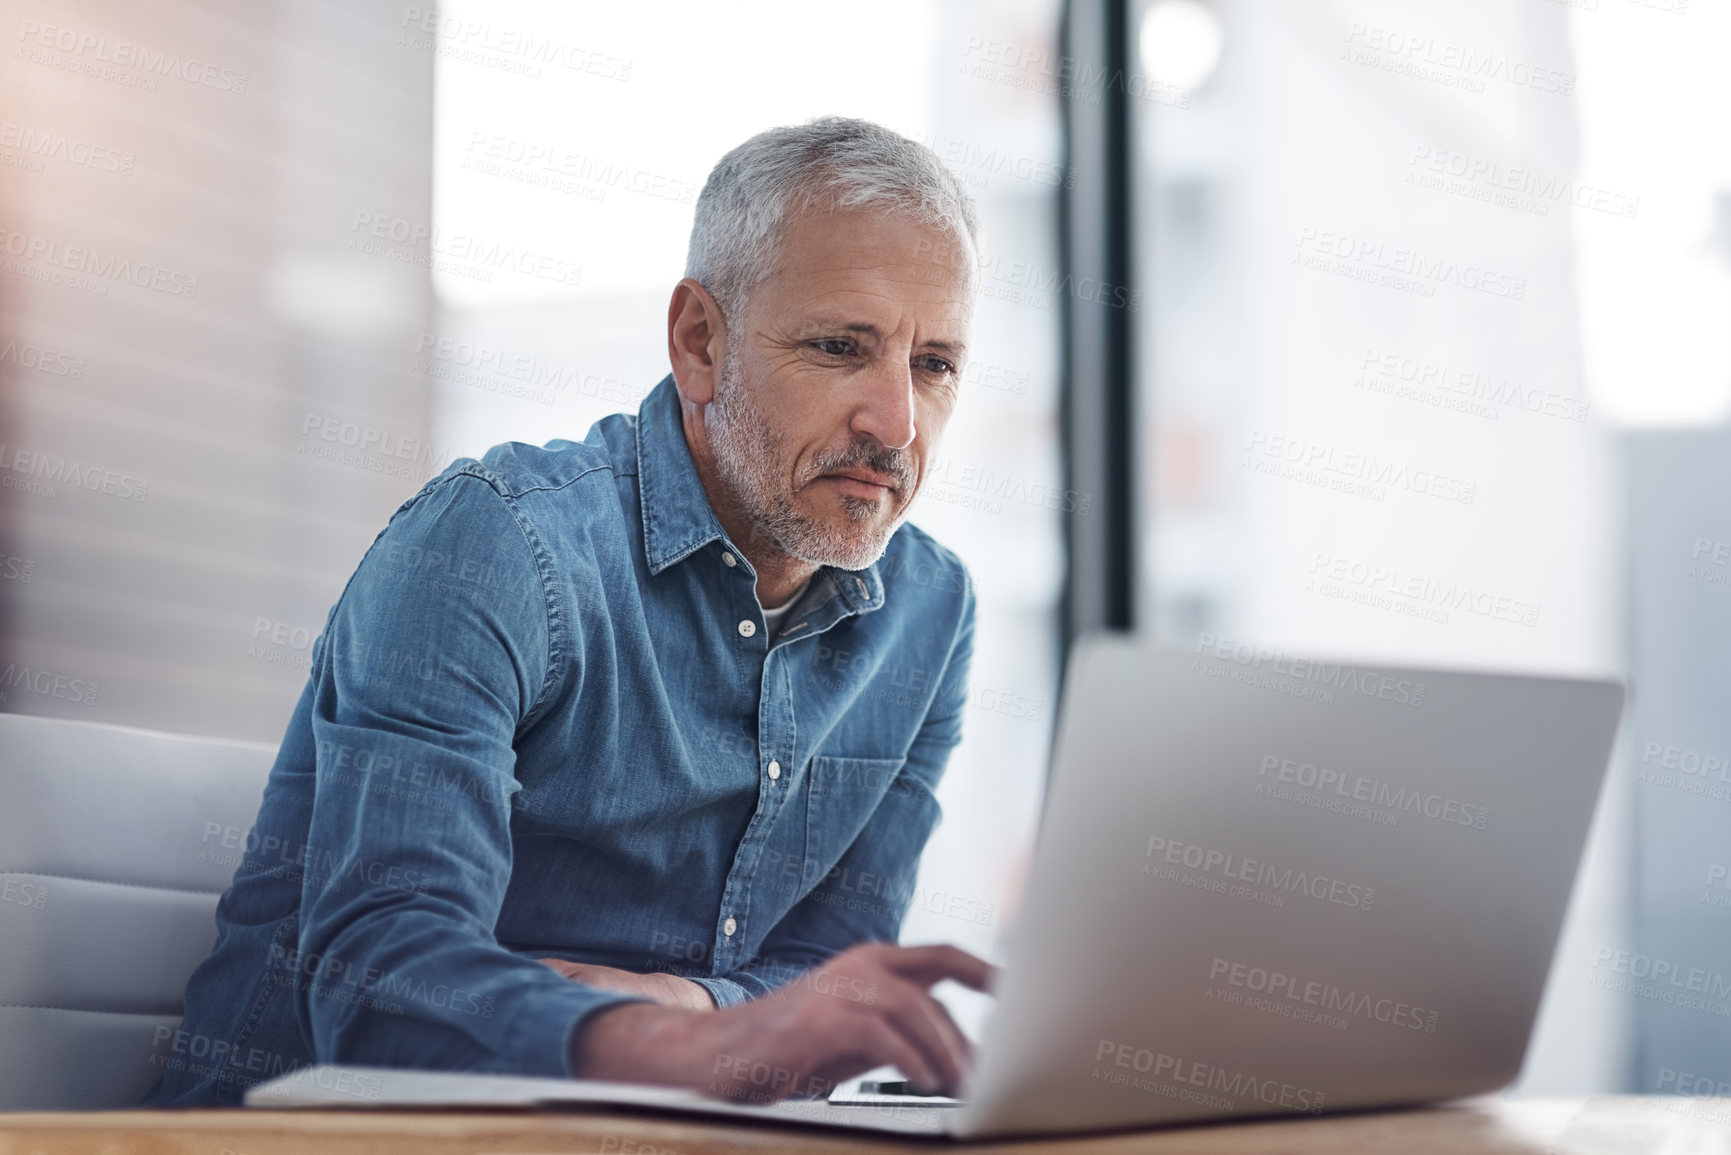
(696, 341)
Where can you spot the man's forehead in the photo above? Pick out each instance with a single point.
(909, 264)
(863, 239)
(869, 273)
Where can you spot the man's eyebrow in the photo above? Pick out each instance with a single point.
(954, 349)
(824, 326)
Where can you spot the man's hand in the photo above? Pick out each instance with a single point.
(864, 1008)
(668, 990)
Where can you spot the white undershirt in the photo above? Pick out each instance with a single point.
(772, 619)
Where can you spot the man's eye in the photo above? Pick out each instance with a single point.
(834, 346)
(937, 365)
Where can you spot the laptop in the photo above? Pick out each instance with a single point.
(1265, 885)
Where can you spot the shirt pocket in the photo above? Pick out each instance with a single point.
(841, 796)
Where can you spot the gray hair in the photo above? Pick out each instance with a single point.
(832, 161)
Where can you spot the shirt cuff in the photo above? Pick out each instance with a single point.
(725, 992)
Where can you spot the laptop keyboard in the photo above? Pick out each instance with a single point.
(888, 1093)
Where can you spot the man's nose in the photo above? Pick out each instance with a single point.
(885, 412)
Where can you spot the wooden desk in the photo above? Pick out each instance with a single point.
(1598, 1126)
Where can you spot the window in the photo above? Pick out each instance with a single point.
(1416, 272)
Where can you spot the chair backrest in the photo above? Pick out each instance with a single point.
(114, 846)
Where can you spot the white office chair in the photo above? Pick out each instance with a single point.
(114, 845)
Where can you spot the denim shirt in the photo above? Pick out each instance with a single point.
(544, 719)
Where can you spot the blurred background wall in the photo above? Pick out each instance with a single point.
(185, 317)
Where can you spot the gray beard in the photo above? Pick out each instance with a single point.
(749, 458)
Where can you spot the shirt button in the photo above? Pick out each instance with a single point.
(728, 559)
(728, 927)
(747, 627)
(774, 771)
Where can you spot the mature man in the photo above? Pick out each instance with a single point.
(578, 784)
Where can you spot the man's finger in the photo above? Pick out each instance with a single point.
(929, 1027)
(887, 1045)
(557, 964)
(927, 965)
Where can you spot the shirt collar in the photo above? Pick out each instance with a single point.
(677, 518)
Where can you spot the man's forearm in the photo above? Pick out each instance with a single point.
(637, 1043)
(667, 989)
(754, 980)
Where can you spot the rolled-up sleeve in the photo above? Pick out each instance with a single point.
(441, 650)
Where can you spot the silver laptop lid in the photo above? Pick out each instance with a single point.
(1267, 884)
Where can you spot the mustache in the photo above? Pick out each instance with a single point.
(867, 455)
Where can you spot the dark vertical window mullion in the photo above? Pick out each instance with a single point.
(1096, 402)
